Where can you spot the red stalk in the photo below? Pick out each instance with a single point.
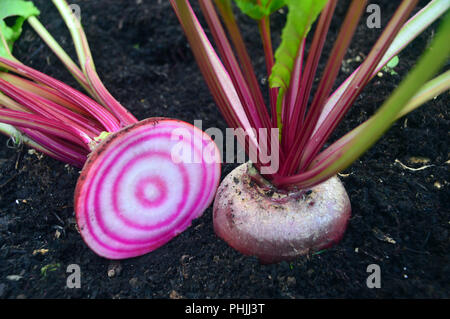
(46, 126)
(69, 117)
(231, 64)
(123, 115)
(290, 98)
(39, 105)
(25, 101)
(412, 33)
(6, 102)
(45, 92)
(58, 149)
(98, 90)
(312, 61)
(264, 28)
(216, 76)
(243, 56)
(256, 112)
(329, 76)
(294, 86)
(360, 80)
(108, 121)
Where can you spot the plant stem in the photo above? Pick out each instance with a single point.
(430, 62)
(328, 78)
(66, 156)
(410, 30)
(107, 120)
(98, 90)
(299, 109)
(264, 29)
(360, 81)
(60, 53)
(44, 125)
(229, 20)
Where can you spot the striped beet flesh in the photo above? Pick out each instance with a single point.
(141, 187)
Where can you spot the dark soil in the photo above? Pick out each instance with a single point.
(399, 220)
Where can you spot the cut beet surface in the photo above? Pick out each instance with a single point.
(143, 185)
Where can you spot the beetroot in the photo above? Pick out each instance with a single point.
(276, 226)
(134, 195)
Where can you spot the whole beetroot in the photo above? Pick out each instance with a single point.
(276, 226)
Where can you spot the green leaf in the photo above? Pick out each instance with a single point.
(393, 62)
(258, 11)
(301, 16)
(389, 67)
(22, 10)
(49, 267)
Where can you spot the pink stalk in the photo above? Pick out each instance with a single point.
(255, 110)
(343, 152)
(68, 116)
(60, 53)
(44, 125)
(291, 96)
(24, 100)
(331, 71)
(264, 28)
(125, 118)
(8, 103)
(294, 85)
(59, 150)
(231, 65)
(242, 53)
(103, 116)
(312, 61)
(46, 108)
(45, 92)
(410, 30)
(216, 76)
(96, 86)
(360, 80)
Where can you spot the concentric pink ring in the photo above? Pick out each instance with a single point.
(99, 216)
(156, 182)
(209, 178)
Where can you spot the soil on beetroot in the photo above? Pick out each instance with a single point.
(399, 216)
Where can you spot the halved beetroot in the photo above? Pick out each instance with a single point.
(141, 187)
